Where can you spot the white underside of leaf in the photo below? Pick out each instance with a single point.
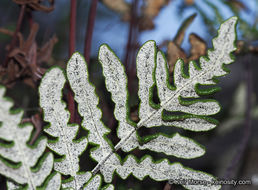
(55, 112)
(151, 70)
(20, 152)
(169, 99)
(87, 106)
(116, 83)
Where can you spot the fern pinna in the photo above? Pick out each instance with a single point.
(25, 165)
(152, 71)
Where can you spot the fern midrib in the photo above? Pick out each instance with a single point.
(142, 121)
(67, 147)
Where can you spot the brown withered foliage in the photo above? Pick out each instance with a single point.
(198, 46)
(168, 186)
(37, 122)
(26, 58)
(149, 10)
(119, 6)
(237, 4)
(174, 50)
(37, 5)
(178, 39)
(189, 2)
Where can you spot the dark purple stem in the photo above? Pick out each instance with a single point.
(72, 29)
(89, 30)
(72, 38)
(131, 43)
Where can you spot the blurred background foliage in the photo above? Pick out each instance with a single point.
(34, 35)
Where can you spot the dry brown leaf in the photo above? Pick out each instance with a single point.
(189, 2)
(134, 114)
(150, 10)
(181, 32)
(45, 52)
(198, 47)
(119, 6)
(37, 123)
(36, 5)
(152, 7)
(167, 186)
(146, 23)
(36, 120)
(13, 70)
(238, 4)
(26, 59)
(174, 52)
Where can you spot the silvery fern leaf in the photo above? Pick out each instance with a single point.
(87, 104)
(24, 165)
(54, 112)
(152, 70)
(58, 116)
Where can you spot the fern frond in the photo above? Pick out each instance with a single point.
(152, 70)
(23, 164)
(55, 113)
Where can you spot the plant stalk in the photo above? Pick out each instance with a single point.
(72, 39)
(89, 30)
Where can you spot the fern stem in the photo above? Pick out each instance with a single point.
(14, 39)
(89, 31)
(72, 39)
(72, 28)
(131, 42)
